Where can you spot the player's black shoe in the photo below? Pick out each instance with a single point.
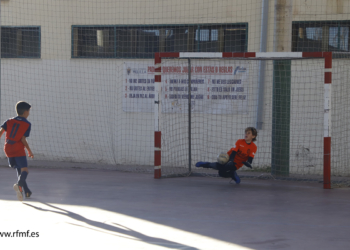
(202, 164)
(235, 177)
(28, 194)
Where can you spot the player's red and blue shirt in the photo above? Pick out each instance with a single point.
(15, 128)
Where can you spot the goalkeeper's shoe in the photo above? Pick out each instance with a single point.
(202, 164)
(235, 177)
(19, 191)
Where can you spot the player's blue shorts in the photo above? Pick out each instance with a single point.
(18, 162)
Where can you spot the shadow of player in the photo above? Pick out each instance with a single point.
(113, 229)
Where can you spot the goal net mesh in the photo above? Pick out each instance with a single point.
(225, 97)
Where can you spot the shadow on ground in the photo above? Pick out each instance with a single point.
(125, 231)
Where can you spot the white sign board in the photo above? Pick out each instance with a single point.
(138, 87)
(217, 87)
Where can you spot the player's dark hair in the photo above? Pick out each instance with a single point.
(253, 130)
(21, 107)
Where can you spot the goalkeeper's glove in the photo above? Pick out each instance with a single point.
(247, 164)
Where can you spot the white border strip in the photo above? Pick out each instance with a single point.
(156, 105)
(257, 54)
(279, 54)
(327, 110)
(200, 54)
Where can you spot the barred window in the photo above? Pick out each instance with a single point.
(222, 39)
(93, 42)
(144, 41)
(20, 42)
(320, 36)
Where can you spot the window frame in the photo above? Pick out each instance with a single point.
(155, 26)
(24, 27)
(319, 24)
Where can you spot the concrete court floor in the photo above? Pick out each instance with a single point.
(98, 209)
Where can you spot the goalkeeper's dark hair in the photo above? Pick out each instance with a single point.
(21, 107)
(254, 132)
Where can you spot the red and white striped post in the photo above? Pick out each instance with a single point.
(327, 114)
(327, 120)
(157, 107)
(158, 111)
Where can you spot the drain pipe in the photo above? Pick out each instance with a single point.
(262, 64)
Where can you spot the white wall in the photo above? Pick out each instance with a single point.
(77, 111)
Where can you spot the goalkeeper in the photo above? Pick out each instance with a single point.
(241, 154)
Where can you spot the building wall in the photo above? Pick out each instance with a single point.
(57, 17)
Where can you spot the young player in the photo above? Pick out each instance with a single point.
(241, 154)
(17, 130)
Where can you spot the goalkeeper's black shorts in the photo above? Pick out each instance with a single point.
(227, 170)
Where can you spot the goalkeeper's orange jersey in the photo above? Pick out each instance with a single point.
(244, 151)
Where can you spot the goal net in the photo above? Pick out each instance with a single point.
(87, 68)
(284, 95)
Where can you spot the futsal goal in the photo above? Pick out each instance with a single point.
(204, 101)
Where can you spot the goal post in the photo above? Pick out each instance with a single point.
(190, 57)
